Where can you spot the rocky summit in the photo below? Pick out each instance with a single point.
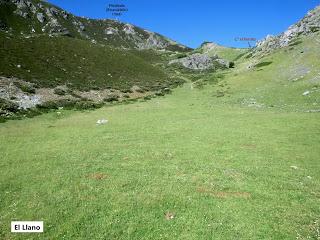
(306, 26)
(32, 17)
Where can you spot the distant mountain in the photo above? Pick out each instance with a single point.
(40, 17)
(214, 49)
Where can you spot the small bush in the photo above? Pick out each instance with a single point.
(27, 88)
(111, 98)
(181, 55)
(262, 64)
(249, 55)
(66, 103)
(231, 64)
(8, 106)
(147, 97)
(295, 43)
(220, 94)
(87, 105)
(315, 29)
(59, 91)
(127, 91)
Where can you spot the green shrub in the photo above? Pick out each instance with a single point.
(249, 55)
(6, 105)
(25, 87)
(147, 97)
(66, 103)
(59, 91)
(181, 55)
(262, 64)
(111, 98)
(87, 105)
(295, 43)
(127, 91)
(159, 93)
(315, 29)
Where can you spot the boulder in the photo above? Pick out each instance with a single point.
(200, 61)
(41, 18)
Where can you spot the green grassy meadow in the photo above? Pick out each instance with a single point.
(237, 158)
(184, 166)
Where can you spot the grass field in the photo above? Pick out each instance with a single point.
(185, 166)
(237, 158)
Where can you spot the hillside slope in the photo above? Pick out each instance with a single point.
(228, 53)
(33, 17)
(44, 47)
(52, 61)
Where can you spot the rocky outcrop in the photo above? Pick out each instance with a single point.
(309, 24)
(153, 41)
(200, 61)
(41, 18)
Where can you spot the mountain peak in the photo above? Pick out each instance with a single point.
(34, 17)
(307, 25)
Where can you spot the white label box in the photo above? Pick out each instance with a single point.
(27, 226)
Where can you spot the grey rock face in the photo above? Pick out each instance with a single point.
(25, 101)
(129, 29)
(21, 4)
(222, 62)
(65, 15)
(8, 90)
(309, 24)
(153, 41)
(41, 18)
(196, 61)
(54, 11)
(110, 31)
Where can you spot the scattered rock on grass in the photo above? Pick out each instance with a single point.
(306, 93)
(169, 216)
(102, 121)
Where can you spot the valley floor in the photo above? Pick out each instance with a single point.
(189, 165)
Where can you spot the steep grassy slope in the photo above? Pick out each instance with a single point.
(52, 61)
(287, 78)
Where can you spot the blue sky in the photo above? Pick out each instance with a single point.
(192, 22)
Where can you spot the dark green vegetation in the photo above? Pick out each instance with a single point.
(27, 88)
(51, 61)
(262, 64)
(10, 110)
